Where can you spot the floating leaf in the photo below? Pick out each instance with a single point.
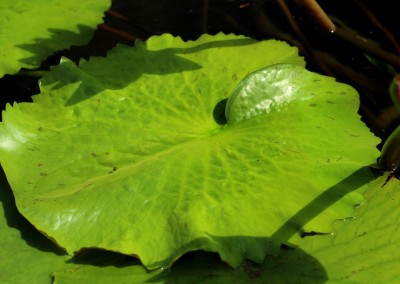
(124, 152)
(32, 30)
(26, 255)
(364, 250)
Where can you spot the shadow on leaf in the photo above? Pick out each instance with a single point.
(59, 39)
(124, 65)
(290, 266)
(321, 202)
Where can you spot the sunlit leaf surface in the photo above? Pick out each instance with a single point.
(32, 30)
(129, 153)
(365, 249)
(26, 255)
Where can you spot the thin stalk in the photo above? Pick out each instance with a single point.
(390, 154)
(122, 34)
(369, 46)
(319, 15)
(32, 73)
(204, 17)
(127, 20)
(307, 50)
(374, 20)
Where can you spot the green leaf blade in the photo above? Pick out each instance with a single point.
(137, 164)
(363, 249)
(33, 30)
(27, 256)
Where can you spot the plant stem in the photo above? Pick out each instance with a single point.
(390, 154)
(319, 15)
(32, 73)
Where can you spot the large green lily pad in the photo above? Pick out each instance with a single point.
(32, 30)
(124, 153)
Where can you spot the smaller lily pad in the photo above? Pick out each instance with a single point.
(272, 89)
(364, 249)
(32, 30)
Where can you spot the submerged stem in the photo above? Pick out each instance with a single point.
(319, 15)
